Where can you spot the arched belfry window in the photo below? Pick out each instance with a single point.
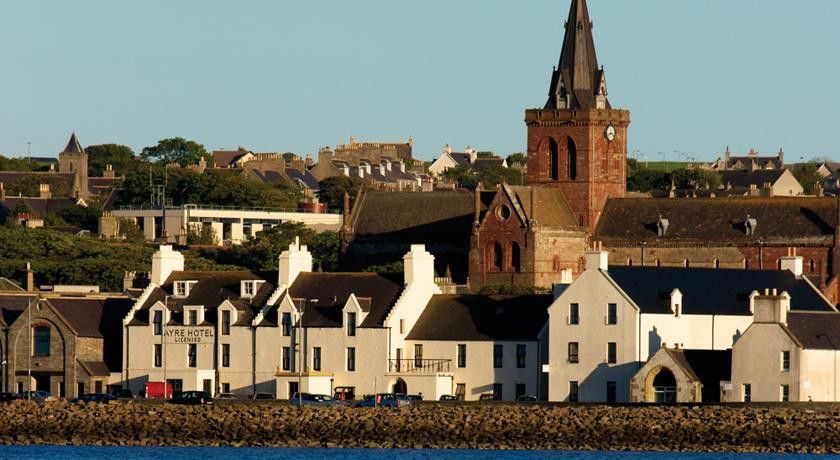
(572, 159)
(515, 261)
(553, 159)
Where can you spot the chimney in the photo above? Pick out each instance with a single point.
(781, 158)
(165, 261)
(596, 259)
(727, 154)
(292, 262)
(30, 278)
(770, 307)
(676, 302)
(308, 163)
(44, 191)
(128, 280)
(447, 148)
(109, 170)
(753, 153)
(419, 266)
(792, 262)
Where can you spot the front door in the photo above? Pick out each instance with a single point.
(42, 382)
(400, 387)
(293, 389)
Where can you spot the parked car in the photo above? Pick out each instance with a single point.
(415, 397)
(156, 390)
(488, 397)
(97, 398)
(192, 398)
(448, 398)
(122, 393)
(526, 398)
(226, 396)
(39, 396)
(8, 396)
(384, 400)
(307, 399)
(263, 396)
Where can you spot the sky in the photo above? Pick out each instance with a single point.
(696, 75)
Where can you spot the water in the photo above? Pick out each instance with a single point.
(246, 453)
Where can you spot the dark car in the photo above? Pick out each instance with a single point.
(415, 397)
(448, 398)
(526, 398)
(307, 399)
(263, 396)
(8, 396)
(488, 397)
(38, 396)
(97, 398)
(192, 398)
(122, 393)
(228, 396)
(384, 400)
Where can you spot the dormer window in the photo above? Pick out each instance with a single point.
(182, 288)
(662, 226)
(749, 225)
(193, 316)
(249, 288)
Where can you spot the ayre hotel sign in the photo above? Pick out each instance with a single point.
(179, 334)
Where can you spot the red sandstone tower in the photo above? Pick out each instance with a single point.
(578, 142)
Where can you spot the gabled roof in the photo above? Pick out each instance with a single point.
(305, 177)
(12, 305)
(39, 206)
(227, 158)
(784, 220)
(482, 317)
(73, 145)
(745, 179)
(578, 68)
(815, 331)
(549, 206)
(325, 294)
(710, 291)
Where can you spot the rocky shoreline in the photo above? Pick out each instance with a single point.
(805, 429)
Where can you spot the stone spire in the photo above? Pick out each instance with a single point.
(578, 83)
(73, 145)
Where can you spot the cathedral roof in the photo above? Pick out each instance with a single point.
(73, 145)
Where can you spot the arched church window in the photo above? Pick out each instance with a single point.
(553, 159)
(515, 256)
(572, 159)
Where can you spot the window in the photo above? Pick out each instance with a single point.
(611, 353)
(351, 359)
(287, 358)
(571, 149)
(498, 257)
(402, 326)
(574, 313)
(521, 354)
(462, 355)
(225, 355)
(573, 391)
(316, 358)
(612, 313)
(41, 335)
(193, 317)
(248, 289)
(225, 322)
(611, 391)
(497, 391)
(498, 354)
(351, 324)
(573, 352)
(785, 361)
(225, 387)
(158, 322)
(158, 355)
(785, 393)
(180, 288)
(747, 391)
(553, 160)
(418, 355)
(286, 323)
(191, 352)
(460, 391)
(515, 257)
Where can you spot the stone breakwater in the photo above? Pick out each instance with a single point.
(492, 426)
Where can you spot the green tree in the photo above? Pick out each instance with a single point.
(28, 185)
(120, 157)
(131, 232)
(485, 154)
(176, 150)
(324, 247)
(517, 158)
(462, 176)
(204, 237)
(808, 177)
(333, 189)
(22, 207)
(493, 175)
(86, 217)
(695, 178)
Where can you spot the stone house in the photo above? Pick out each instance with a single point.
(612, 319)
(677, 375)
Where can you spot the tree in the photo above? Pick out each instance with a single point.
(131, 232)
(462, 176)
(517, 158)
(120, 157)
(86, 217)
(645, 180)
(21, 207)
(176, 150)
(261, 252)
(492, 175)
(324, 247)
(29, 185)
(204, 237)
(485, 154)
(290, 156)
(333, 189)
(808, 177)
(695, 178)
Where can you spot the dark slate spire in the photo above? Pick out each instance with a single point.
(578, 82)
(73, 145)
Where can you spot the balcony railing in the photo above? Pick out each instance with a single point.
(419, 366)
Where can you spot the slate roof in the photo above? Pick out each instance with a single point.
(462, 159)
(39, 206)
(482, 317)
(305, 177)
(816, 331)
(550, 207)
(11, 306)
(95, 368)
(226, 158)
(710, 291)
(10, 177)
(73, 145)
(377, 292)
(744, 179)
(782, 220)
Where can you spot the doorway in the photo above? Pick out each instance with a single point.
(400, 387)
(665, 387)
(42, 382)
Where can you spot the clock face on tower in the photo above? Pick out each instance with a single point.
(609, 133)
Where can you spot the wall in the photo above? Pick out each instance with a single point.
(756, 359)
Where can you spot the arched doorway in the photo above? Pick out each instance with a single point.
(400, 387)
(664, 387)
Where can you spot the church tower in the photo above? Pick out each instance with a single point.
(577, 141)
(73, 159)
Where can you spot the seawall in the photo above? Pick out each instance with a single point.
(805, 428)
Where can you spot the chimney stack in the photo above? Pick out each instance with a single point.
(30, 278)
(44, 191)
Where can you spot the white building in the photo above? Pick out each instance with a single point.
(611, 320)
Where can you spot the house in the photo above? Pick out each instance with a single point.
(613, 319)
(786, 355)
(752, 161)
(677, 375)
(761, 182)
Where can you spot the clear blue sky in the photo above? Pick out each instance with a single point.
(295, 75)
